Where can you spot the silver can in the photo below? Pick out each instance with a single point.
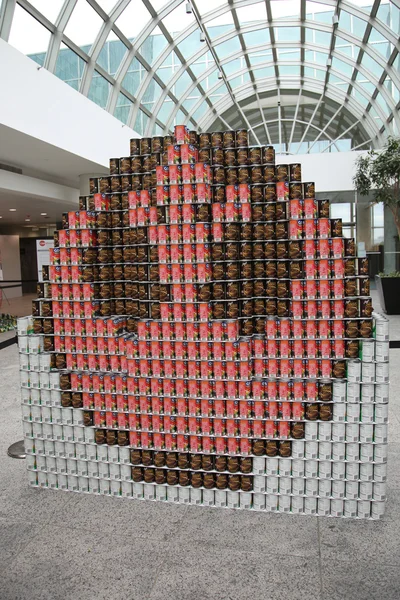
(310, 506)
(352, 432)
(339, 412)
(137, 490)
(126, 490)
(367, 393)
(366, 472)
(380, 472)
(367, 413)
(272, 503)
(285, 485)
(381, 413)
(246, 499)
(93, 469)
(377, 510)
(297, 449)
(354, 370)
(325, 429)
(173, 495)
(324, 469)
(381, 325)
(297, 505)
(220, 497)
(325, 450)
(380, 453)
(338, 470)
(368, 372)
(352, 489)
(352, 451)
(93, 486)
(259, 484)
(365, 490)
(272, 466)
(208, 497)
(364, 509)
(353, 391)
(115, 488)
(366, 433)
(382, 352)
(353, 412)
(298, 486)
(233, 498)
(73, 484)
(311, 450)
(284, 503)
(352, 471)
(338, 451)
(366, 452)
(350, 508)
(258, 465)
(339, 390)
(325, 488)
(311, 468)
(311, 487)
(367, 350)
(259, 501)
(285, 467)
(382, 393)
(298, 467)
(382, 372)
(338, 489)
(379, 491)
(272, 485)
(338, 432)
(63, 482)
(337, 507)
(381, 433)
(324, 507)
(311, 431)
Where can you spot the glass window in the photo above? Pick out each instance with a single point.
(132, 20)
(122, 109)
(229, 47)
(28, 35)
(289, 70)
(84, 24)
(99, 90)
(290, 9)
(106, 5)
(256, 38)
(260, 58)
(69, 67)
(178, 20)
(341, 210)
(50, 10)
(252, 13)
(287, 34)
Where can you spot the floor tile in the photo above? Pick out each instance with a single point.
(359, 580)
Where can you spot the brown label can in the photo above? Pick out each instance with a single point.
(270, 192)
(228, 139)
(217, 139)
(255, 155)
(268, 154)
(282, 172)
(309, 189)
(295, 172)
(242, 137)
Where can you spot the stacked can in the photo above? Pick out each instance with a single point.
(203, 321)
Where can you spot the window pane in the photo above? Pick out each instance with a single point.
(69, 67)
(341, 210)
(28, 35)
(84, 24)
(377, 215)
(122, 109)
(50, 10)
(378, 235)
(99, 90)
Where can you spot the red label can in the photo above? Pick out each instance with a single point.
(295, 229)
(309, 248)
(324, 248)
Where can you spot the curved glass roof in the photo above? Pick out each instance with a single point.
(303, 75)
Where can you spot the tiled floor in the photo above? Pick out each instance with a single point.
(60, 545)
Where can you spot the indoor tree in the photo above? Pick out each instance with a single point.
(379, 172)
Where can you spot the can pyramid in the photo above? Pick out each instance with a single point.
(202, 314)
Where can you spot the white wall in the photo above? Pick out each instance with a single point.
(11, 262)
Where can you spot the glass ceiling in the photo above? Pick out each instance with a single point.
(305, 76)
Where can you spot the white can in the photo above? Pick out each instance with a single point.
(381, 325)
(48, 430)
(367, 350)
(26, 412)
(325, 429)
(125, 472)
(91, 452)
(39, 446)
(93, 469)
(352, 451)
(297, 449)
(368, 372)
(61, 464)
(298, 486)
(258, 465)
(259, 501)
(310, 506)
(73, 484)
(297, 504)
(337, 507)
(338, 451)
(381, 413)
(93, 486)
(161, 492)
(338, 470)
(113, 454)
(298, 467)
(285, 467)
(196, 496)
(83, 483)
(246, 499)
(55, 398)
(380, 472)
(88, 435)
(66, 414)
(382, 372)
(259, 484)
(354, 370)
(80, 451)
(311, 431)
(29, 446)
(24, 378)
(338, 489)
(352, 432)
(366, 453)
(34, 380)
(54, 380)
(324, 469)
(382, 393)
(37, 430)
(353, 412)
(272, 466)
(102, 453)
(350, 508)
(46, 414)
(380, 453)
(123, 455)
(126, 490)
(339, 391)
(115, 472)
(377, 510)
(353, 392)
(285, 504)
(324, 507)
(45, 362)
(34, 364)
(311, 449)
(311, 468)
(339, 412)
(41, 463)
(325, 488)
(44, 380)
(62, 482)
(52, 481)
(285, 485)
(382, 352)
(365, 490)
(272, 485)
(379, 491)
(36, 414)
(352, 471)
(24, 362)
(271, 503)
(338, 432)
(184, 496)
(366, 433)
(77, 416)
(104, 470)
(311, 487)
(367, 413)
(208, 497)
(138, 490)
(367, 393)
(325, 450)
(59, 448)
(82, 468)
(45, 396)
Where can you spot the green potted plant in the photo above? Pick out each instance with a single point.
(379, 172)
